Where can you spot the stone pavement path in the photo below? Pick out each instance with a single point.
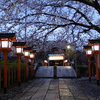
(54, 89)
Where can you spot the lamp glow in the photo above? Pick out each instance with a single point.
(4, 44)
(65, 61)
(26, 53)
(18, 50)
(88, 52)
(31, 55)
(45, 61)
(68, 46)
(96, 47)
(56, 58)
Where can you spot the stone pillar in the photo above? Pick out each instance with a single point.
(55, 71)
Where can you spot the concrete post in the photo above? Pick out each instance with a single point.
(55, 71)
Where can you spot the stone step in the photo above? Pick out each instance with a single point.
(62, 71)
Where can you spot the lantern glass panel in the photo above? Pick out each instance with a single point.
(18, 50)
(88, 52)
(22, 50)
(26, 53)
(96, 47)
(4, 44)
(92, 48)
(0, 44)
(31, 55)
(9, 44)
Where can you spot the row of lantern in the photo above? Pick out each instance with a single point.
(93, 47)
(7, 40)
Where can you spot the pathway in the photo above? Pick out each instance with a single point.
(54, 89)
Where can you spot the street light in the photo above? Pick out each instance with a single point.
(68, 46)
(32, 55)
(19, 52)
(95, 50)
(26, 56)
(88, 50)
(5, 46)
(75, 61)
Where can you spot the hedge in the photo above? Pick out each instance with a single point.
(82, 69)
(12, 63)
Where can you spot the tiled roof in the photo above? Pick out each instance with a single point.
(34, 51)
(28, 48)
(94, 41)
(87, 47)
(19, 43)
(7, 35)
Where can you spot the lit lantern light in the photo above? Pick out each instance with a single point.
(88, 50)
(5, 46)
(95, 45)
(19, 52)
(26, 52)
(46, 62)
(95, 50)
(6, 40)
(32, 56)
(65, 62)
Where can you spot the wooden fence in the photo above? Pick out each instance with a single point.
(12, 75)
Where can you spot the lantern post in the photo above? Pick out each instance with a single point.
(26, 56)
(19, 52)
(5, 46)
(88, 50)
(96, 50)
(32, 54)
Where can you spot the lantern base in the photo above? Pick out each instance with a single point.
(5, 90)
(89, 79)
(97, 82)
(18, 84)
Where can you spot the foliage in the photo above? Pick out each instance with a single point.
(12, 63)
(82, 69)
